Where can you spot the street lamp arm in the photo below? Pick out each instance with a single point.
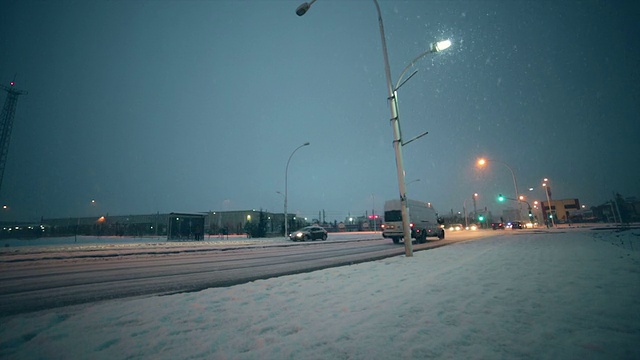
(501, 162)
(518, 200)
(415, 138)
(435, 47)
(405, 80)
(404, 71)
(513, 174)
(290, 156)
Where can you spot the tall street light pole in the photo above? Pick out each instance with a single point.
(397, 141)
(395, 122)
(286, 180)
(483, 161)
(547, 190)
(464, 208)
(475, 208)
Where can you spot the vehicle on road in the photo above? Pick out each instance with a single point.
(309, 233)
(423, 220)
(498, 225)
(517, 225)
(455, 227)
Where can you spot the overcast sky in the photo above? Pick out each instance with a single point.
(147, 106)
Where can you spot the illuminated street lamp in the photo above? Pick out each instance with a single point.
(286, 175)
(482, 161)
(395, 119)
(95, 208)
(547, 190)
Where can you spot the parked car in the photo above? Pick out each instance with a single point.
(496, 226)
(309, 233)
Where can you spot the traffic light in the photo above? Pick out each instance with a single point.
(500, 198)
(480, 217)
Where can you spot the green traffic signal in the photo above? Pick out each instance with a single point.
(480, 218)
(500, 198)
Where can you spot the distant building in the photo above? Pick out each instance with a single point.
(622, 210)
(174, 226)
(560, 209)
(107, 225)
(511, 214)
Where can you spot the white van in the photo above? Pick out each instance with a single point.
(423, 220)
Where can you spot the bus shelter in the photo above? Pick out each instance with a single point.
(185, 227)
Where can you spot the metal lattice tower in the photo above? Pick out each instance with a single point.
(6, 123)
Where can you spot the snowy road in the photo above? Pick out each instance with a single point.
(41, 278)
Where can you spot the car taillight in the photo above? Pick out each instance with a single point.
(411, 225)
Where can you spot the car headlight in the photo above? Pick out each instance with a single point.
(299, 234)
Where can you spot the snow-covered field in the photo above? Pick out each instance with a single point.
(561, 294)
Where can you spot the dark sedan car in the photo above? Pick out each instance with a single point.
(496, 226)
(517, 225)
(309, 233)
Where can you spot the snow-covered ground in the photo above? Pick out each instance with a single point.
(561, 294)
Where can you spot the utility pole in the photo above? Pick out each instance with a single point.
(6, 123)
(615, 202)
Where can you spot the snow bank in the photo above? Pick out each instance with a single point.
(573, 294)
